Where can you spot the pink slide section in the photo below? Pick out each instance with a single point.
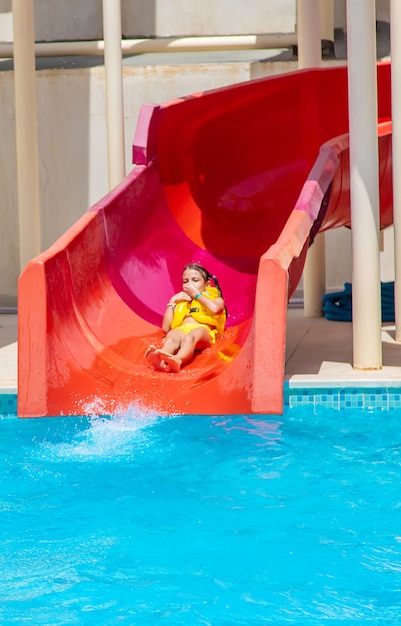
(239, 179)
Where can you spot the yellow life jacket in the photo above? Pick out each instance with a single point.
(199, 312)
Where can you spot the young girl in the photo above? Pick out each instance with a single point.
(193, 318)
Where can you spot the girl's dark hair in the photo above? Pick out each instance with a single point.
(206, 275)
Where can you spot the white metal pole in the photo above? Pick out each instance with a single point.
(114, 90)
(308, 28)
(395, 38)
(309, 55)
(162, 44)
(364, 181)
(327, 25)
(26, 123)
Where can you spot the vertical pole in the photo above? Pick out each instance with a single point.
(364, 181)
(327, 27)
(114, 90)
(26, 123)
(308, 29)
(395, 38)
(309, 55)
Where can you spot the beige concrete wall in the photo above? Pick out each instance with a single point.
(340, 12)
(78, 19)
(73, 147)
(6, 21)
(57, 20)
(170, 18)
(72, 123)
(75, 19)
(73, 142)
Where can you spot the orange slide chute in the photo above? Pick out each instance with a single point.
(239, 179)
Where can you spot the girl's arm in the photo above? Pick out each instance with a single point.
(181, 296)
(168, 317)
(215, 306)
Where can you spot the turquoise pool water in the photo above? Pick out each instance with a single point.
(191, 520)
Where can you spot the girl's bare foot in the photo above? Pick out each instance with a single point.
(154, 359)
(172, 362)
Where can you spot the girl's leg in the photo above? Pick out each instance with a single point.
(156, 358)
(178, 348)
(198, 338)
(173, 341)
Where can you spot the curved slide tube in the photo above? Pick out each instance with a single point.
(239, 179)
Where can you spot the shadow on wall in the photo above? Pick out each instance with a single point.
(138, 18)
(74, 20)
(58, 19)
(382, 41)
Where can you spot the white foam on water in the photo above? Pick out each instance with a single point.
(113, 437)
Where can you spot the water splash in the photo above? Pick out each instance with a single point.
(105, 437)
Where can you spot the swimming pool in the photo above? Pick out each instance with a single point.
(214, 520)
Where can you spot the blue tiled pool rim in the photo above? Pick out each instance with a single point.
(8, 405)
(338, 398)
(341, 398)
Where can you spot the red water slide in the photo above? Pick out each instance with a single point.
(239, 179)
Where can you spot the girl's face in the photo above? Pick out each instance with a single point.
(194, 279)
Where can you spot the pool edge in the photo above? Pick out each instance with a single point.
(337, 395)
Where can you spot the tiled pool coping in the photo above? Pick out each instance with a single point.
(8, 404)
(344, 397)
(334, 397)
